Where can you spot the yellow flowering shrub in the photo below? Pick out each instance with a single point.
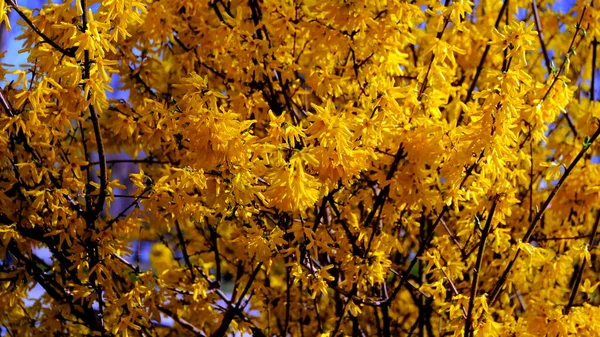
(301, 168)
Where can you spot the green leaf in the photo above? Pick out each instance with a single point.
(133, 276)
(43, 267)
(478, 223)
(586, 142)
(552, 67)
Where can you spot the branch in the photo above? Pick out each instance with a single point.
(591, 246)
(423, 247)
(540, 213)
(594, 53)
(438, 37)
(15, 7)
(84, 312)
(231, 312)
(93, 213)
(187, 325)
(452, 236)
(454, 291)
(569, 53)
(6, 106)
(186, 256)
(214, 236)
(477, 269)
(481, 62)
(382, 196)
(538, 26)
(356, 250)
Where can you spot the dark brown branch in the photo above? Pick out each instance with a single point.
(538, 26)
(44, 37)
(214, 236)
(338, 325)
(385, 313)
(86, 156)
(5, 105)
(288, 303)
(481, 62)
(126, 209)
(496, 290)
(213, 4)
(351, 237)
(185, 324)
(84, 312)
(571, 125)
(594, 55)
(477, 269)
(569, 53)
(439, 37)
(427, 241)
(233, 309)
(560, 238)
(186, 256)
(93, 213)
(591, 246)
(382, 196)
(531, 176)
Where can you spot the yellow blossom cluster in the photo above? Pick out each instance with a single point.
(301, 168)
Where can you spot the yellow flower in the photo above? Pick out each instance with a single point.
(161, 258)
(292, 188)
(517, 38)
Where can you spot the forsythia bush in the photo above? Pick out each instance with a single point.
(363, 168)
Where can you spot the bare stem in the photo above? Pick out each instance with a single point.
(481, 62)
(477, 269)
(96, 126)
(582, 267)
(538, 26)
(540, 213)
(569, 53)
(44, 37)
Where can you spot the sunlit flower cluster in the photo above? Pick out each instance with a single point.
(301, 168)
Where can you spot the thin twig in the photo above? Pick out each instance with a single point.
(214, 239)
(477, 268)
(424, 244)
(438, 37)
(538, 26)
(496, 290)
(481, 62)
(382, 196)
(185, 324)
(569, 53)
(591, 246)
(87, 62)
(5, 105)
(531, 177)
(233, 309)
(560, 238)
(593, 86)
(44, 37)
(452, 235)
(186, 256)
(455, 291)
